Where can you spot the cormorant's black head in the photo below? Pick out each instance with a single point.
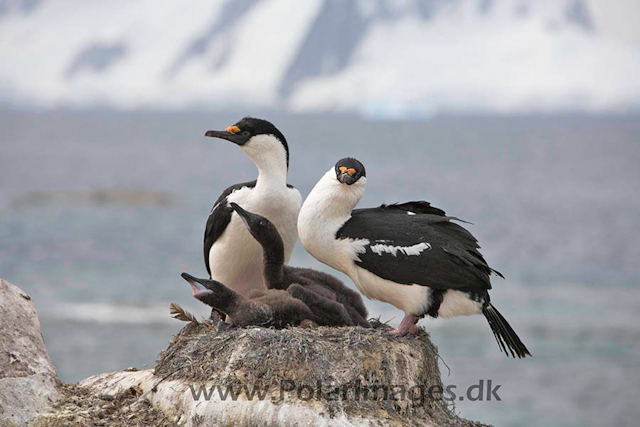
(260, 227)
(247, 132)
(349, 170)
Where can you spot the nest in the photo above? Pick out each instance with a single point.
(330, 359)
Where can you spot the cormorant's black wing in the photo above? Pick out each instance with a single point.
(219, 219)
(417, 243)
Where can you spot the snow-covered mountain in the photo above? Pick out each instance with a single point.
(381, 57)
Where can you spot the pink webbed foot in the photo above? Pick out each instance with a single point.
(407, 326)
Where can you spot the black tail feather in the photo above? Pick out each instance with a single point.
(505, 335)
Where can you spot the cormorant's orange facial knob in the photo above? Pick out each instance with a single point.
(351, 171)
(233, 129)
(342, 169)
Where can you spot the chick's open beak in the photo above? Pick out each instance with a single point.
(196, 288)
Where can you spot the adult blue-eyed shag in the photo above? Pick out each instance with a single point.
(410, 255)
(231, 255)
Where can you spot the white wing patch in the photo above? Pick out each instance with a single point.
(410, 213)
(393, 250)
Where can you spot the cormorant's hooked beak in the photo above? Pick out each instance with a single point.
(196, 285)
(215, 293)
(232, 134)
(249, 219)
(345, 178)
(244, 215)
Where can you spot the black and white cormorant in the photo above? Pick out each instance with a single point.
(332, 303)
(410, 255)
(263, 307)
(231, 255)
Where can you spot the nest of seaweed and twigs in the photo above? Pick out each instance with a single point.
(325, 358)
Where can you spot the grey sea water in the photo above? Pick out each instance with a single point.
(100, 212)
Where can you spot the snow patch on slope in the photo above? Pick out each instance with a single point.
(384, 57)
(494, 64)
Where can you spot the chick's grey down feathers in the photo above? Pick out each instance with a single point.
(325, 295)
(332, 303)
(266, 307)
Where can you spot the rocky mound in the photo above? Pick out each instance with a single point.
(348, 376)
